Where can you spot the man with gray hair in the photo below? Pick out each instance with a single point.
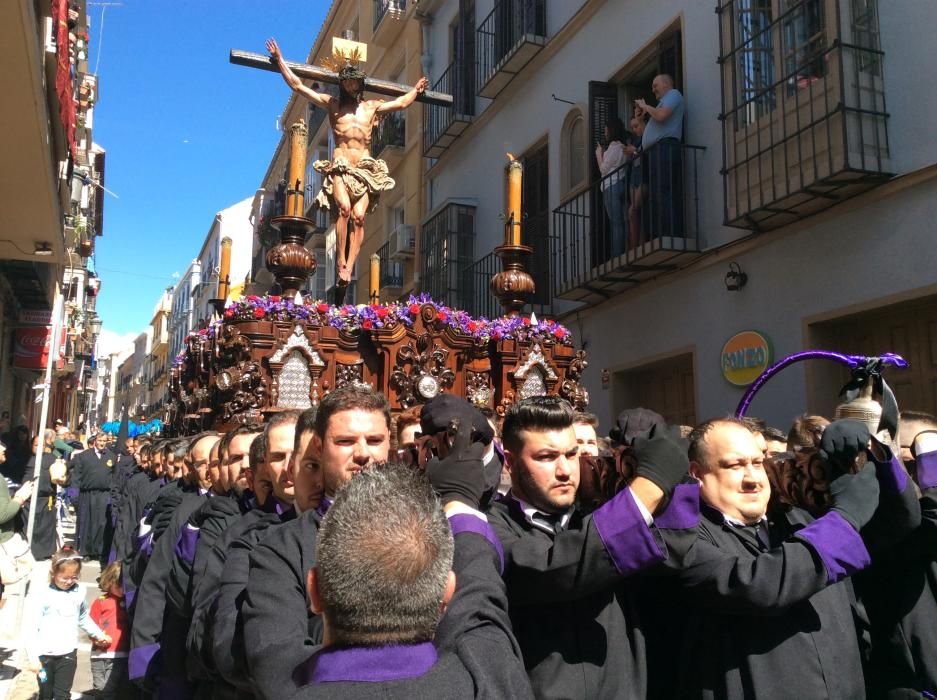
(432, 621)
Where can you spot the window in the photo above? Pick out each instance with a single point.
(448, 248)
(804, 43)
(865, 32)
(754, 59)
(574, 150)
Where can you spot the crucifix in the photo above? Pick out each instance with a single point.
(352, 180)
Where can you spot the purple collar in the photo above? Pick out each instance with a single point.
(323, 506)
(275, 505)
(367, 664)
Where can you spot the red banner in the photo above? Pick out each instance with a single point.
(31, 347)
(64, 86)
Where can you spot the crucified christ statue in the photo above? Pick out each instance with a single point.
(353, 179)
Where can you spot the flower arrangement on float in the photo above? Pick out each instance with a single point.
(353, 319)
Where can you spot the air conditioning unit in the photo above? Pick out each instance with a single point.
(402, 242)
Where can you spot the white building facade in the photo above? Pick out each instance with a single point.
(806, 162)
(234, 223)
(183, 317)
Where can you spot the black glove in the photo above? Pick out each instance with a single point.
(855, 496)
(460, 476)
(843, 441)
(661, 459)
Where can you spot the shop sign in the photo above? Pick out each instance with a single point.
(745, 356)
(31, 348)
(35, 318)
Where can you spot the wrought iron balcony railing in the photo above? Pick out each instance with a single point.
(509, 37)
(448, 247)
(634, 224)
(443, 125)
(391, 131)
(391, 271)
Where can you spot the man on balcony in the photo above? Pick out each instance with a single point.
(661, 144)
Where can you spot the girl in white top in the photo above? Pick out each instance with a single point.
(614, 179)
(53, 615)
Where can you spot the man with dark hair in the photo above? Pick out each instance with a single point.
(899, 591)
(351, 430)
(764, 594)
(567, 573)
(407, 428)
(391, 638)
(157, 647)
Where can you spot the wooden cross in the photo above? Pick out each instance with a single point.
(305, 70)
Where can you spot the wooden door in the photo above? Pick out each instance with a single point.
(667, 387)
(907, 329)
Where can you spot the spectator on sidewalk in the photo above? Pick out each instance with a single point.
(10, 507)
(53, 615)
(109, 659)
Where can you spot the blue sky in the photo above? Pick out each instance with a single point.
(187, 133)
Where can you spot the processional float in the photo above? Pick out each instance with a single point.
(271, 353)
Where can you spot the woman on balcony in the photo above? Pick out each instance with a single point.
(613, 184)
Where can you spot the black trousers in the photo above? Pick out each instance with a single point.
(60, 674)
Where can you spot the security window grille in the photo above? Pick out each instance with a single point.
(804, 117)
(754, 59)
(448, 243)
(804, 43)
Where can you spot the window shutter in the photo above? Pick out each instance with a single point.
(603, 103)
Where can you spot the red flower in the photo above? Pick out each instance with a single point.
(472, 326)
(441, 316)
(274, 298)
(496, 335)
(526, 321)
(414, 309)
(322, 307)
(259, 313)
(229, 313)
(366, 324)
(559, 332)
(381, 312)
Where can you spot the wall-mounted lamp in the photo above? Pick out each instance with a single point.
(735, 278)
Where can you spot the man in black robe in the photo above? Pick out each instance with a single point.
(393, 638)
(91, 474)
(900, 589)
(570, 575)
(766, 599)
(352, 430)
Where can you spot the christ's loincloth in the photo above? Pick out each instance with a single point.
(369, 177)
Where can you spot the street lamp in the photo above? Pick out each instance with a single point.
(94, 325)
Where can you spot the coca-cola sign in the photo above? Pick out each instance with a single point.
(31, 348)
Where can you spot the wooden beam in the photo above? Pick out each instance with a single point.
(303, 70)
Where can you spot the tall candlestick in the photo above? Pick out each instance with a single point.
(512, 217)
(224, 269)
(374, 281)
(294, 205)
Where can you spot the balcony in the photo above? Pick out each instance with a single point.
(804, 118)
(448, 247)
(389, 20)
(478, 299)
(391, 275)
(443, 125)
(389, 138)
(509, 37)
(596, 257)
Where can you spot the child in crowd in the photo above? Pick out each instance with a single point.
(109, 658)
(54, 614)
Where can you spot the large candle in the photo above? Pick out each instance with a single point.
(374, 294)
(224, 268)
(294, 206)
(513, 214)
